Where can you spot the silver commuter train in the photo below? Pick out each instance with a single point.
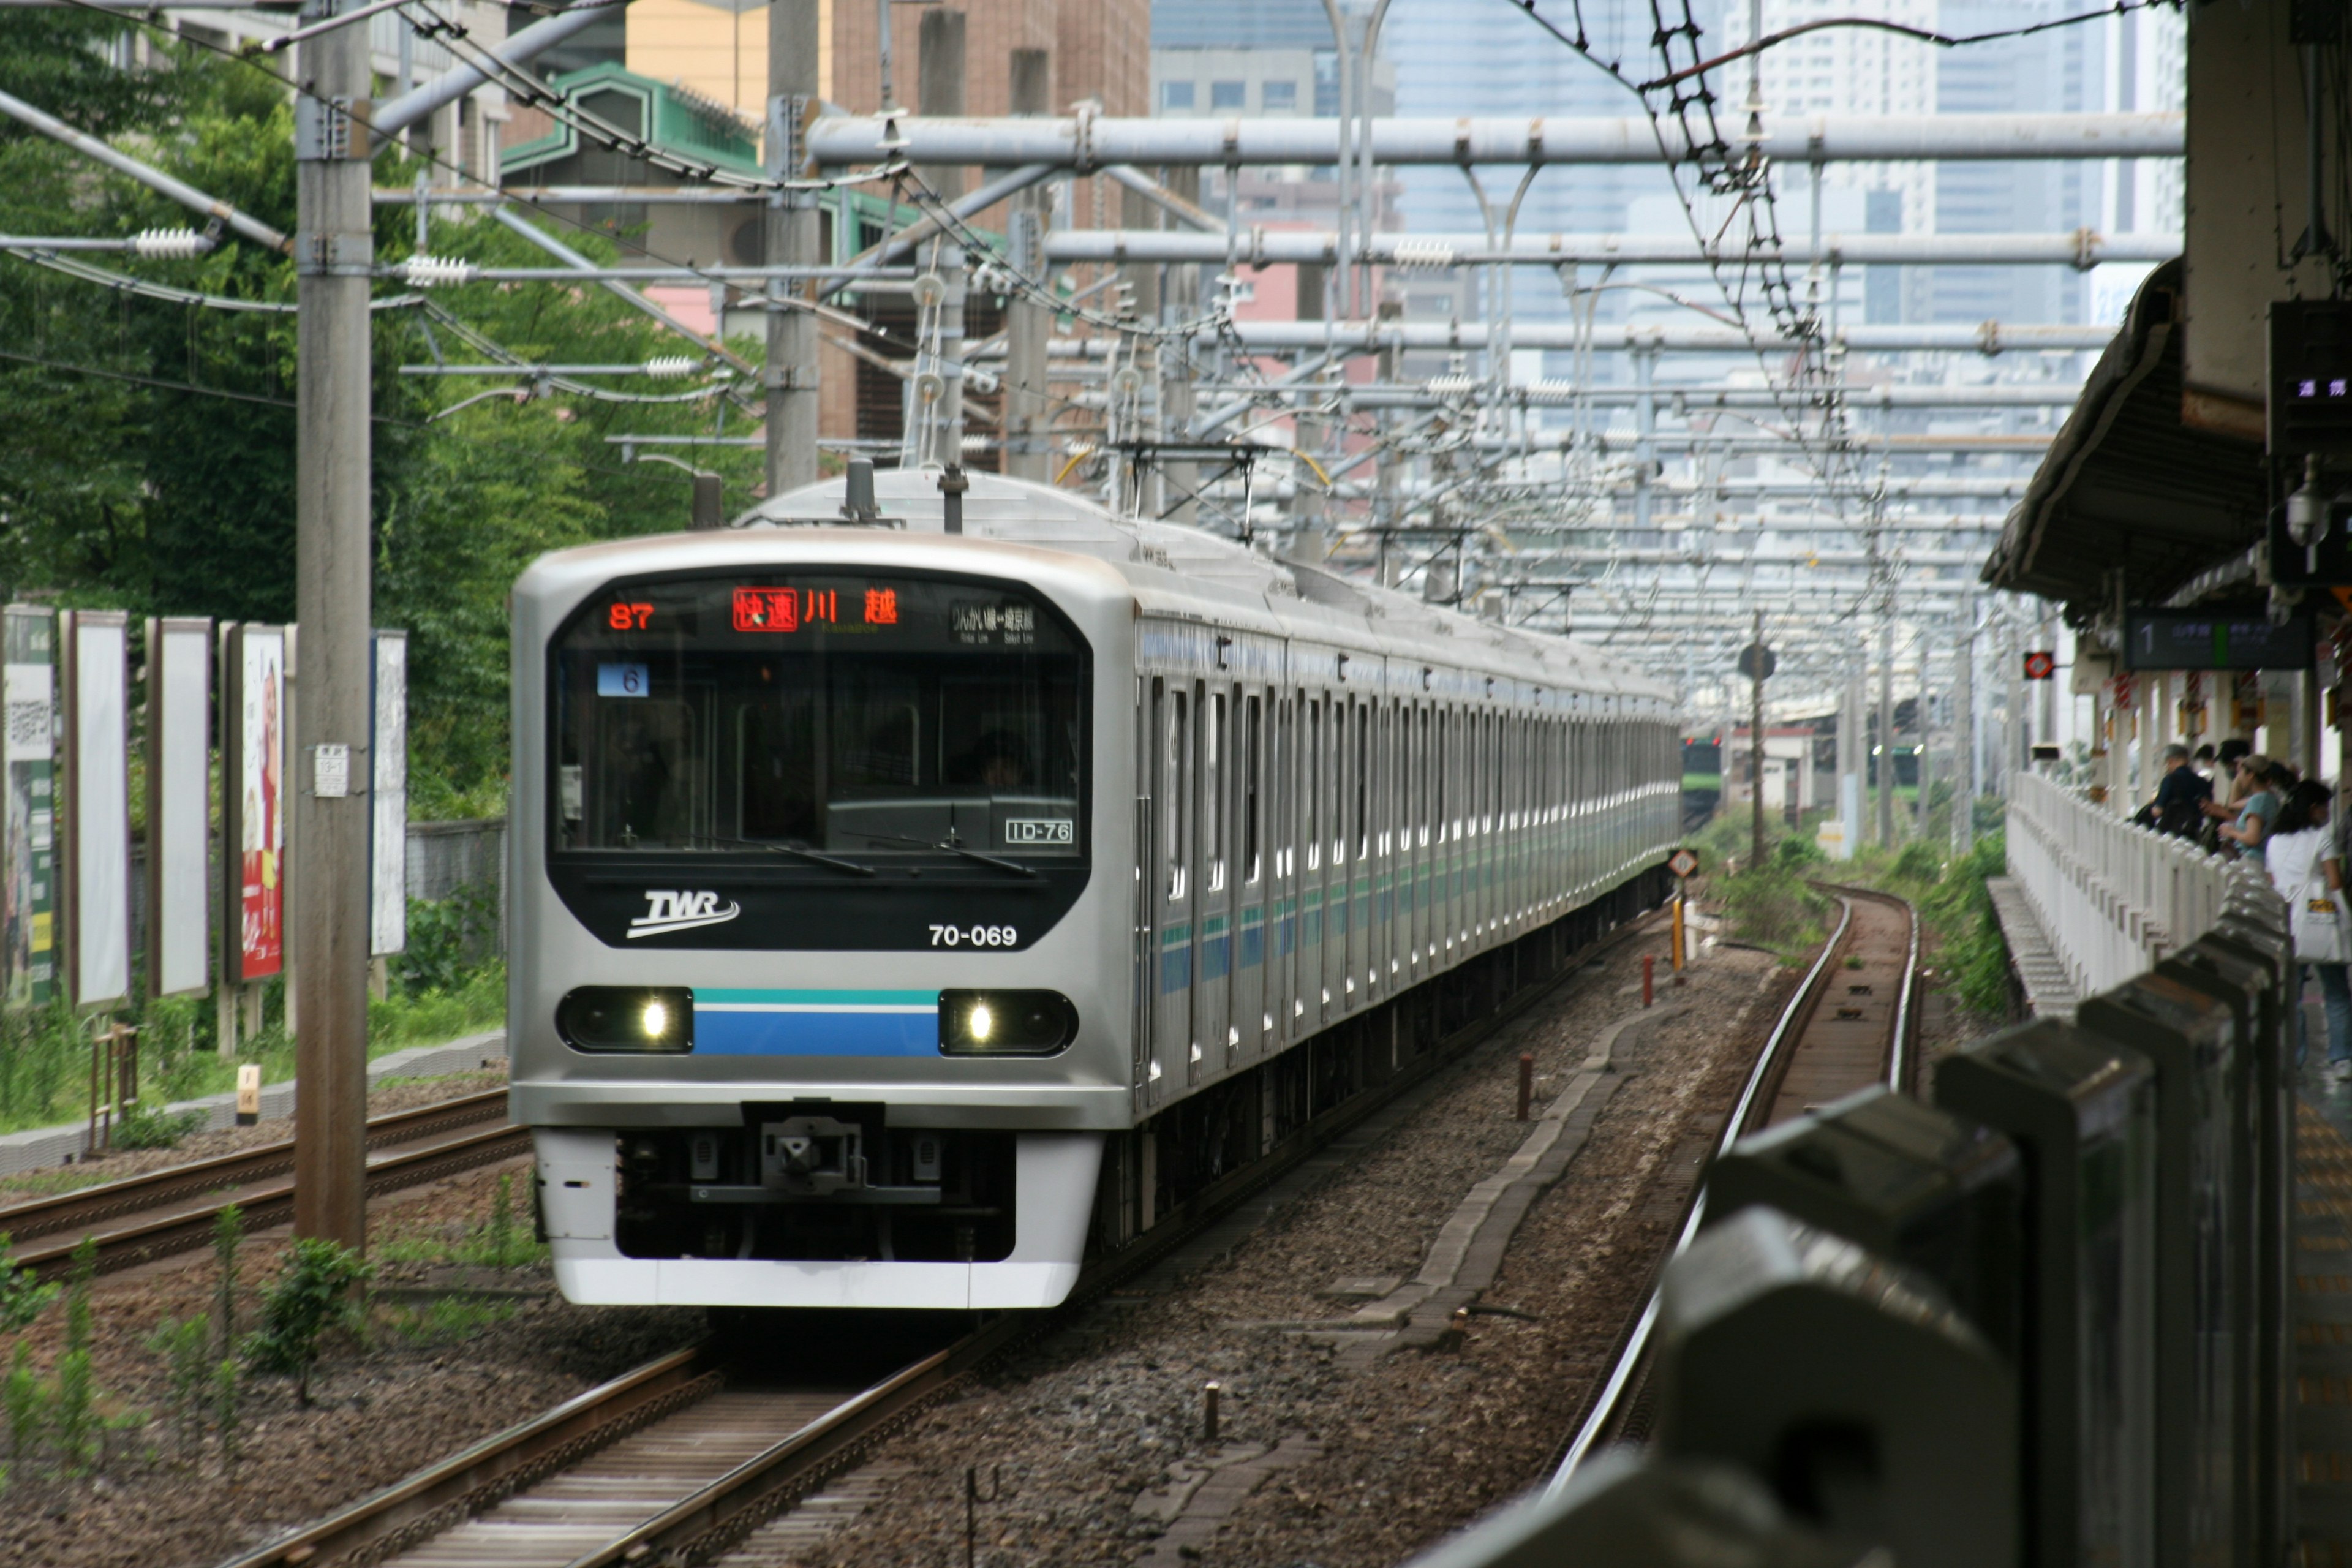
(896, 914)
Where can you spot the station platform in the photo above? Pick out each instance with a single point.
(2322, 1309)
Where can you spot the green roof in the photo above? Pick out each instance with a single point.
(680, 122)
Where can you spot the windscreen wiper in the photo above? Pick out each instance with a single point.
(801, 851)
(953, 848)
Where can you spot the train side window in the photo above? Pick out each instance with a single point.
(1214, 794)
(1338, 780)
(1363, 781)
(1280, 790)
(1399, 793)
(1253, 717)
(1314, 795)
(1176, 767)
(1440, 767)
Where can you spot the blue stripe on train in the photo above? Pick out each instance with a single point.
(761, 1023)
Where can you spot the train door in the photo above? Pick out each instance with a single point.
(1282, 873)
(1172, 883)
(1314, 747)
(1249, 1014)
(1338, 866)
(1364, 759)
(1213, 907)
(1445, 833)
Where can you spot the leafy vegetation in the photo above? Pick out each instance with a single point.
(187, 508)
(501, 1241)
(315, 1294)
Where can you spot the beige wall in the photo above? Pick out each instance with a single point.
(717, 51)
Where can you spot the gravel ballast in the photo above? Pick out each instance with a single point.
(1344, 1446)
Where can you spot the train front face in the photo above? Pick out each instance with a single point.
(819, 910)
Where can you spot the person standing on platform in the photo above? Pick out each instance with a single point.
(2180, 795)
(2308, 872)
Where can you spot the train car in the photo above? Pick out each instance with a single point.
(902, 905)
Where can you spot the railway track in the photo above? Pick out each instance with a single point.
(681, 1459)
(1847, 1025)
(140, 1218)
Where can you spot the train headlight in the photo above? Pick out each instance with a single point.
(657, 1019)
(1005, 1022)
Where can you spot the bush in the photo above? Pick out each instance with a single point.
(449, 940)
(312, 1295)
(22, 1297)
(141, 1128)
(1773, 907)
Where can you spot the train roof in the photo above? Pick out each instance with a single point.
(1181, 571)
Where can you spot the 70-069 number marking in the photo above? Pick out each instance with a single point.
(974, 936)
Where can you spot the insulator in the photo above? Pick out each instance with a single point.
(169, 244)
(1418, 253)
(437, 271)
(1450, 385)
(670, 367)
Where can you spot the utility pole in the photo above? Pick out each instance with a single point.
(334, 252)
(1926, 738)
(1028, 419)
(1963, 729)
(1885, 768)
(1755, 744)
(791, 241)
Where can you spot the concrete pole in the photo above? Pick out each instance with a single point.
(947, 261)
(327, 778)
(1926, 740)
(1028, 325)
(1886, 769)
(1756, 744)
(1963, 729)
(793, 236)
(938, 86)
(1845, 748)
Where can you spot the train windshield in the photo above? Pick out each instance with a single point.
(861, 717)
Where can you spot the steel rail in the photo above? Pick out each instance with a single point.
(258, 1180)
(718, 1514)
(1604, 1411)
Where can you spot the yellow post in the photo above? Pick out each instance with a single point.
(1677, 947)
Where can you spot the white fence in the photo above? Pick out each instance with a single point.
(2112, 899)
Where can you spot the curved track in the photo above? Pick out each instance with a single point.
(140, 1218)
(682, 1459)
(1847, 1025)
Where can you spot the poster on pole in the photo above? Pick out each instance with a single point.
(28, 669)
(388, 797)
(253, 801)
(179, 794)
(98, 806)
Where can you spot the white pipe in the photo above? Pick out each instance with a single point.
(1367, 337)
(2083, 249)
(399, 114)
(180, 191)
(844, 141)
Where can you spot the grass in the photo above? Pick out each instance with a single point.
(438, 1321)
(501, 1240)
(447, 983)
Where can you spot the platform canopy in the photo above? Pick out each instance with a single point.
(2126, 487)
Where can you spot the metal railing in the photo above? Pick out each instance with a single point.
(2112, 899)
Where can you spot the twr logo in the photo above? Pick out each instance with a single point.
(667, 910)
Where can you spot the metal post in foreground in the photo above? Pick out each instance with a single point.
(1028, 417)
(334, 252)
(1964, 731)
(1755, 745)
(1884, 766)
(792, 241)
